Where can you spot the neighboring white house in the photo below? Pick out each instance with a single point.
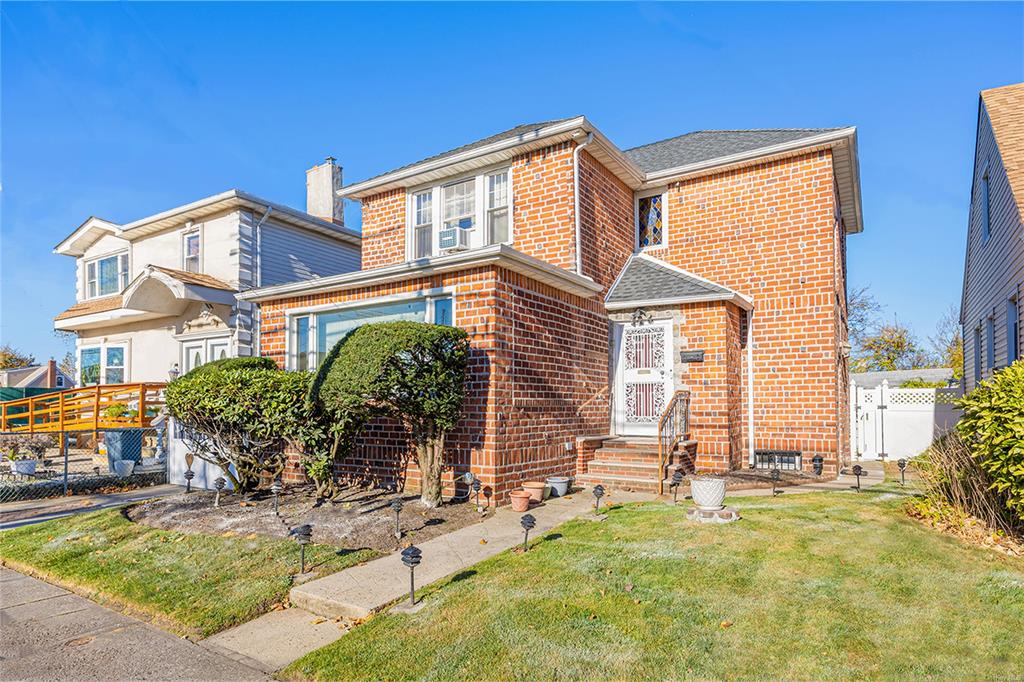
(158, 295)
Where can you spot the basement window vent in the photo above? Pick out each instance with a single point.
(786, 460)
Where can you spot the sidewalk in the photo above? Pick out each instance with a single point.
(14, 514)
(47, 633)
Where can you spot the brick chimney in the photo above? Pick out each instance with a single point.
(51, 374)
(322, 185)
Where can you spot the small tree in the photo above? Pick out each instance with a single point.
(948, 342)
(12, 358)
(892, 347)
(410, 371)
(241, 414)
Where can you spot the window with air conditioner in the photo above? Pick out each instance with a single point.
(466, 213)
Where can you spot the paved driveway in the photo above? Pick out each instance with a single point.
(47, 633)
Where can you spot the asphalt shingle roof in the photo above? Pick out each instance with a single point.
(645, 279)
(705, 145)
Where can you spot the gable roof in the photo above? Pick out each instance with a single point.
(196, 278)
(646, 280)
(1005, 107)
(705, 145)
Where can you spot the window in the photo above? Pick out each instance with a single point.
(481, 201)
(103, 364)
(986, 228)
(650, 220)
(106, 276)
(1012, 331)
(977, 354)
(423, 224)
(990, 343)
(190, 248)
(460, 205)
(60, 381)
(497, 208)
(314, 334)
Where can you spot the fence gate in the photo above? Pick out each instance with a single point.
(893, 423)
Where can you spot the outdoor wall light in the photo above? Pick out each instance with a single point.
(818, 462)
(276, 488)
(189, 475)
(173, 373)
(397, 506)
(411, 557)
(902, 464)
(598, 494)
(527, 522)
(303, 535)
(857, 471)
(677, 480)
(776, 476)
(219, 484)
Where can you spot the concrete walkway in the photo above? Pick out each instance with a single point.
(874, 473)
(14, 514)
(47, 633)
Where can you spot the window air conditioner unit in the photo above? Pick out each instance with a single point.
(456, 238)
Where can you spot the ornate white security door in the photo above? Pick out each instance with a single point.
(644, 380)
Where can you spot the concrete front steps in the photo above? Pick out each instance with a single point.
(631, 463)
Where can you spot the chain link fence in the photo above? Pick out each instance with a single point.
(34, 466)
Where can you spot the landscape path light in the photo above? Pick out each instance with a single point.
(303, 535)
(397, 506)
(776, 476)
(818, 462)
(902, 464)
(219, 484)
(411, 557)
(476, 492)
(189, 475)
(857, 471)
(276, 488)
(528, 523)
(677, 480)
(598, 494)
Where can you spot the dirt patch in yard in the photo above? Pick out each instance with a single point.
(359, 519)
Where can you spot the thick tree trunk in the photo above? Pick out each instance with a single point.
(431, 459)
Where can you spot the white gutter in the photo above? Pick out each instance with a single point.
(750, 385)
(739, 300)
(576, 197)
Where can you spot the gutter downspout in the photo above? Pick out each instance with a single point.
(750, 386)
(576, 197)
(257, 274)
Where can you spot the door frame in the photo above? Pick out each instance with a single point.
(204, 343)
(619, 426)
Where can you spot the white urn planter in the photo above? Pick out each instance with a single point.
(708, 492)
(23, 467)
(124, 467)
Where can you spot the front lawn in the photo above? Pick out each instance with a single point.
(824, 586)
(190, 583)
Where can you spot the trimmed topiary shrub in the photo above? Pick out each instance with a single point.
(234, 363)
(992, 427)
(410, 371)
(243, 415)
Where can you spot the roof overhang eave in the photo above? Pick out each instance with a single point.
(739, 300)
(500, 255)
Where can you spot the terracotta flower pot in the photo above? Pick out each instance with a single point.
(520, 500)
(536, 489)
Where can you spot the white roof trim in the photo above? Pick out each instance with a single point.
(498, 254)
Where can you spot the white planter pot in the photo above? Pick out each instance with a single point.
(708, 492)
(24, 467)
(124, 467)
(559, 485)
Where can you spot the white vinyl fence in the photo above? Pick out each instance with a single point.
(895, 423)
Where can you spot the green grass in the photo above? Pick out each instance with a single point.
(192, 584)
(823, 586)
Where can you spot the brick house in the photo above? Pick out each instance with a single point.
(597, 283)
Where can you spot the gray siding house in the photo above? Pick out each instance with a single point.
(990, 309)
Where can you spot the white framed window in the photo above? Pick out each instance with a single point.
(467, 203)
(106, 276)
(197, 352)
(103, 364)
(1012, 331)
(312, 334)
(651, 219)
(990, 343)
(191, 252)
(986, 215)
(977, 354)
(60, 381)
(423, 224)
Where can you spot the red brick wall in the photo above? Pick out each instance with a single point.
(769, 232)
(538, 379)
(606, 221)
(384, 229)
(543, 225)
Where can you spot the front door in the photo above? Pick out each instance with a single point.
(643, 376)
(199, 352)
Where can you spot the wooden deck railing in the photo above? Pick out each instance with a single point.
(673, 428)
(93, 408)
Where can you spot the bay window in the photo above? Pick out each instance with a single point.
(106, 276)
(313, 334)
(482, 201)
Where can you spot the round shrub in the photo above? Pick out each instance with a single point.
(233, 363)
(992, 426)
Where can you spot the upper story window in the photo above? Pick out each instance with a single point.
(650, 219)
(463, 207)
(191, 252)
(1012, 331)
(986, 227)
(990, 343)
(977, 354)
(106, 276)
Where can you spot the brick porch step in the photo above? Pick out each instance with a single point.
(632, 464)
(617, 482)
(617, 467)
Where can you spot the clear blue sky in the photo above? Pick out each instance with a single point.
(122, 110)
